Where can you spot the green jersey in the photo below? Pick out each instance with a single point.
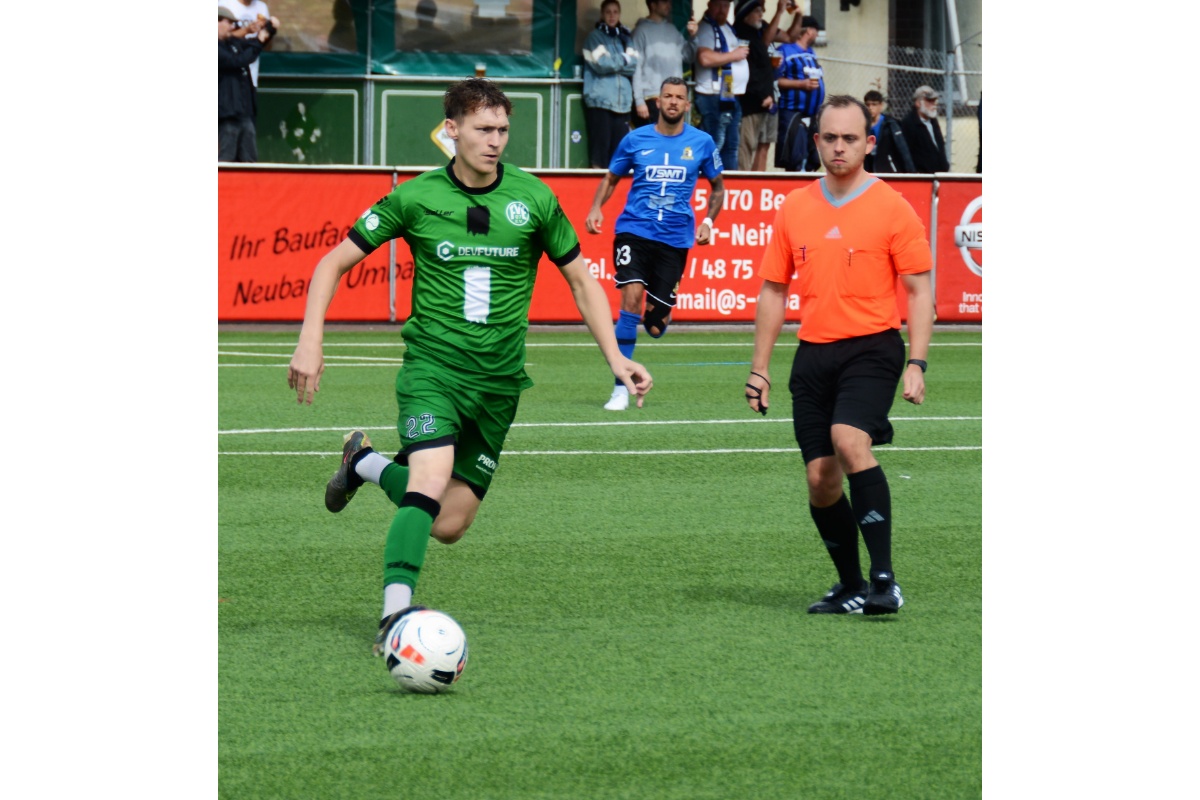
(475, 256)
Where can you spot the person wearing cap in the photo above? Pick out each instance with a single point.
(721, 77)
(923, 134)
(237, 100)
(801, 92)
(252, 17)
(891, 150)
(759, 120)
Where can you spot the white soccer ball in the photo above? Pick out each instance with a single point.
(426, 651)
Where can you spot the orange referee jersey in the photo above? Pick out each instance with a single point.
(845, 255)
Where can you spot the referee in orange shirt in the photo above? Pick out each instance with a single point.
(845, 238)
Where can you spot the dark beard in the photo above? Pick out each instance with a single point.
(667, 119)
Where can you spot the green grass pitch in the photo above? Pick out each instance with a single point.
(633, 594)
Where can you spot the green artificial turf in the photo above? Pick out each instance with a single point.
(633, 595)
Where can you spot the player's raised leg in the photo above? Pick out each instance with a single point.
(408, 535)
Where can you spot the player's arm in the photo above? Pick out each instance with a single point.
(920, 329)
(716, 201)
(308, 361)
(595, 217)
(768, 322)
(593, 307)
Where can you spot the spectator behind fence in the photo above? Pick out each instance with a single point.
(426, 36)
(760, 123)
(662, 53)
(342, 37)
(801, 92)
(923, 133)
(252, 17)
(891, 150)
(721, 76)
(237, 99)
(609, 63)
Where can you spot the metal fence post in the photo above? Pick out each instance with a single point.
(949, 108)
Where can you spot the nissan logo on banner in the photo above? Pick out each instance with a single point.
(968, 236)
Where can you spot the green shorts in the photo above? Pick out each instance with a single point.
(435, 411)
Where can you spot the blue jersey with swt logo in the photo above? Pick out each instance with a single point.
(665, 169)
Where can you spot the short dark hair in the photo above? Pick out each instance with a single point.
(844, 101)
(474, 94)
(607, 3)
(673, 81)
(873, 96)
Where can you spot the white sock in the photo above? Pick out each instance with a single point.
(395, 597)
(370, 467)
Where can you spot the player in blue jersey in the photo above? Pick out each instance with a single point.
(657, 227)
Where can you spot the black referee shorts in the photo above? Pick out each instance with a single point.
(656, 265)
(849, 382)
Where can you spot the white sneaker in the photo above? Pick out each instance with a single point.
(619, 400)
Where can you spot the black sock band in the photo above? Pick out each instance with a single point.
(422, 501)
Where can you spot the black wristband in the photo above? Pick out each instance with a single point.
(919, 363)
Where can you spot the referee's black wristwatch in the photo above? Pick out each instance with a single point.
(924, 366)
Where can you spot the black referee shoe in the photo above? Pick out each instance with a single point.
(840, 600)
(345, 482)
(884, 596)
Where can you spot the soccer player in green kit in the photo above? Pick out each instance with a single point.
(477, 229)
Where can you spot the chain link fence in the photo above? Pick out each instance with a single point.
(896, 72)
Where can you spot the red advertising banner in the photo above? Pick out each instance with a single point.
(959, 273)
(272, 229)
(274, 225)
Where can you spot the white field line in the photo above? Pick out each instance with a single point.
(366, 429)
(885, 449)
(393, 360)
(750, 344)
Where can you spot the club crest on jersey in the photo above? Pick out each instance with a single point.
(517, 213)
(687, 154)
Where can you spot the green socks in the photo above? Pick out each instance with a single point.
(408, 538)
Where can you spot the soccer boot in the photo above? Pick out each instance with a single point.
(840, 600)
(386, 624)
(619, 400)
(345, 482)
(884, 596)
